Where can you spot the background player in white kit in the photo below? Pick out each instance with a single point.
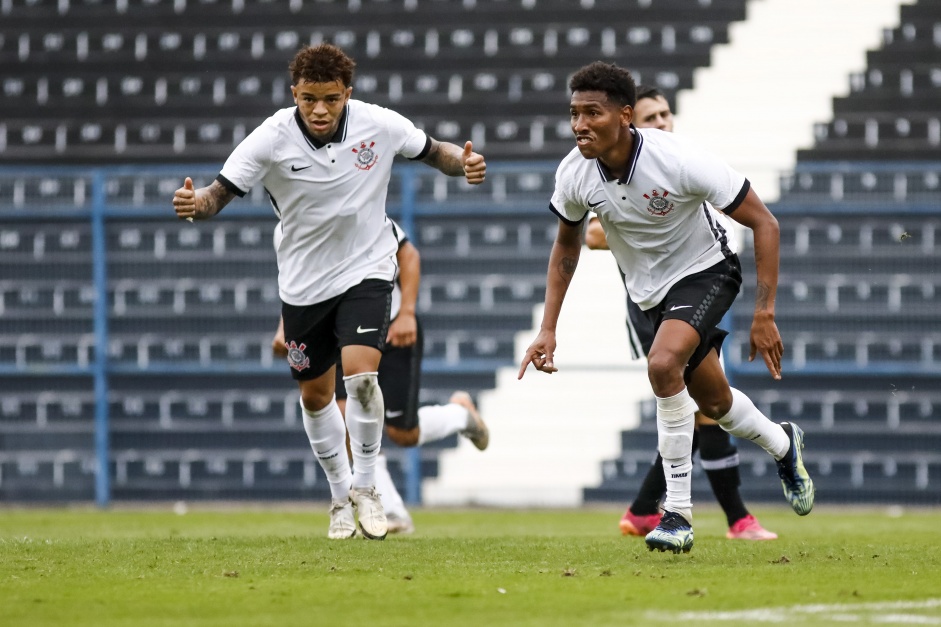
(648, 188)
(326, 166)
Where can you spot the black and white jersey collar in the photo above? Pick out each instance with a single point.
(338, 136)
(606, 174)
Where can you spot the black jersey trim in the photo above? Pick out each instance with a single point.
(635, 155)
(229, 185)
(338, 136)
(274, 204)
(739, 199)
(564, 219)
(398, 230)
(718, 231)
(424, 151)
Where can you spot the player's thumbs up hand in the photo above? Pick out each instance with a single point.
(475, 168)
(184, 201)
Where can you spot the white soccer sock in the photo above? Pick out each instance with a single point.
(390, 498)
(327, 435)
(675, 425)
(744, 421)
(364, 418)
(436, 422)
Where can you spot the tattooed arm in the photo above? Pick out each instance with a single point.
(202, 203)
(562, 263)
(765, 338)
(453, 161)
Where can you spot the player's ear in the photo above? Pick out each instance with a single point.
(627, 115)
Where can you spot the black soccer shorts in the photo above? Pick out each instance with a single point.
(314, 334)
(701, 300)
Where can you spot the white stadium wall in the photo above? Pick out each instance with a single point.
(549, 433)
(756, 104)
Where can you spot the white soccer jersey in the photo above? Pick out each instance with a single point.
(655, 218)
(330, 198)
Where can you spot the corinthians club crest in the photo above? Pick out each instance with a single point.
(366, 157)
(296, 357)
(658, 205)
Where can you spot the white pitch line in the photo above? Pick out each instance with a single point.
(840, 612)
(906, 619)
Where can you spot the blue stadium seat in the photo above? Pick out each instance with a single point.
(47, 408)
(891, 110)
(28, 351)
(36, 475)
(453, 347)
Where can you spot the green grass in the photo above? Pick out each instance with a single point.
(255, 566)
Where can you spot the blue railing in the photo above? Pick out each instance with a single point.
(860, 186)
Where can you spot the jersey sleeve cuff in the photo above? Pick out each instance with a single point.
(739, 199)
(424, 151)
(564, 219)
(229, 185)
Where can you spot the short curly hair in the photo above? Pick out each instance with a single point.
(614, 81)
(323, 63)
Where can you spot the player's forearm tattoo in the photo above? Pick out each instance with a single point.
(567, 268)
(761, 296)
(215, 198)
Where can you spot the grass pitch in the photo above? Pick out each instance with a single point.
(275, 566)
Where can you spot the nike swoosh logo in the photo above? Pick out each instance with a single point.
(394, 414)
(362, 330)
(593, 205)
(295, 169)
(675, 465)
(675, 307)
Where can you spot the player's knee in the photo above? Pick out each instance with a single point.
(715, 403)
(715, 406)
(364, 387)
(665, 373)
(315, 400)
